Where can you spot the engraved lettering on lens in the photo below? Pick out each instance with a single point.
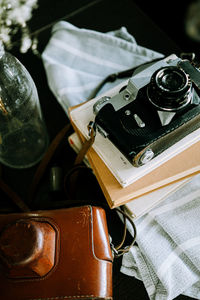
(169, 89)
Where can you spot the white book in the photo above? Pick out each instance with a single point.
(118, 164)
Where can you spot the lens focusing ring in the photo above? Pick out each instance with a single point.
(169, 89)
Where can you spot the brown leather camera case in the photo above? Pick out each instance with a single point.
(55, 254)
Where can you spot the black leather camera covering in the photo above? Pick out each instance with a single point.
(127, 136)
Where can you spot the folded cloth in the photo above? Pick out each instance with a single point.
(167, 258)
(77, 60)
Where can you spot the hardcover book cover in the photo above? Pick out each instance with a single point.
(175, 170)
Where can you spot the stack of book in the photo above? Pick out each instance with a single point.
(139, 189)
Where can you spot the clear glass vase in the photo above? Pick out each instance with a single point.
(23, 134)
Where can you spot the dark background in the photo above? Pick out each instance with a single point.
(156, 25)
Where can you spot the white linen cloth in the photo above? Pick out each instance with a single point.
(77, 60)
(167, 258)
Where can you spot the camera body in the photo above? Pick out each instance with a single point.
(158, 107)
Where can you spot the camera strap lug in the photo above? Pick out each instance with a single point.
(189, 56)
(87, 144)
(91, 129)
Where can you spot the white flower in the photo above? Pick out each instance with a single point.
(26, 43)
(14, 15)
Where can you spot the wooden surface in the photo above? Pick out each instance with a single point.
(102, 15)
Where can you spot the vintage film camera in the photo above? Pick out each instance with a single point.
(158, 107)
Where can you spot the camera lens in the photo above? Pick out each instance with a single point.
(170, 81)
(169, 89)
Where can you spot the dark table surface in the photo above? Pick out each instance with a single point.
(156, 26)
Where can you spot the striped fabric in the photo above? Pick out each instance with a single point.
(77, 60)
(167, 257)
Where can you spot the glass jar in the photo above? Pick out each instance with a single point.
(23, 134)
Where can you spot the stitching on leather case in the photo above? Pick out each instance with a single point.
(106, 260)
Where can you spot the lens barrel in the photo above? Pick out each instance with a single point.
(169, 89)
